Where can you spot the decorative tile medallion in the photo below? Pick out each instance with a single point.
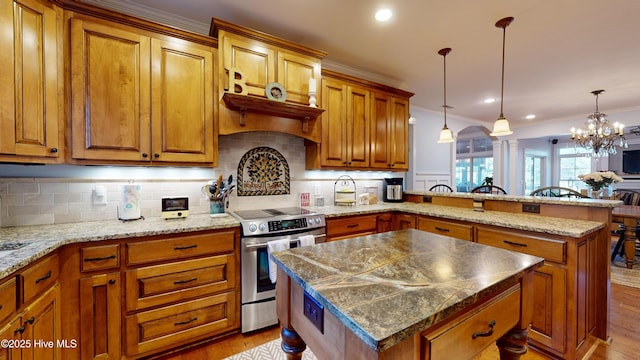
(263, 171)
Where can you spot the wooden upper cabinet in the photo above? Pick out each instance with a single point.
(139, 98)
(110, 93)
(257, 63)
(345, 125)
(249, 61)
(362, 126)
(182, 102)
(294, 72)
(31, 76)
(390, 132)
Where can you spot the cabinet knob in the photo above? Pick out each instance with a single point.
(30, 320)
(53, 150)
(145, 155)
(156, 155)
(111, 282)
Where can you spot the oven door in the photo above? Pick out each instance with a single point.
(256, 285)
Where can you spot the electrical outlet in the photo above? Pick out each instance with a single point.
(531, 208)
(426, 199)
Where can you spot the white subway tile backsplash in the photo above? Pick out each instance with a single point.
(32, 201)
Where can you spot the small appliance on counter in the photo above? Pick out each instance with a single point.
(392, 190)
(129, 204)
(175, 207)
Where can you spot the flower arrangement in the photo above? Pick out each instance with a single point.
(599, 179)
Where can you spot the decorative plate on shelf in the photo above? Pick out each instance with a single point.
(275, 91)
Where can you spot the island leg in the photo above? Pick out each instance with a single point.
(630, 224)
(513, 344)
(292, 344)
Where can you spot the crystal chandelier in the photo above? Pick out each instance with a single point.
(598, 135)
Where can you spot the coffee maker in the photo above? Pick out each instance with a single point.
(392, 190)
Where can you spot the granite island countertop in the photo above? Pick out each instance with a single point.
(389, 286)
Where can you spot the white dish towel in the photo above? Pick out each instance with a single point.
(273, 246)
(306, 240)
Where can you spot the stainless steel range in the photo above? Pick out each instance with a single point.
(258, 228)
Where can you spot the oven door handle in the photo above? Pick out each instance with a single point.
(264, 245)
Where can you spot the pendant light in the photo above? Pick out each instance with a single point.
(501, 126)
(446, 136)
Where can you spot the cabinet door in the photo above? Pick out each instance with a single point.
(380, 114)
(9, 333)
(399, 135)
(100, 316)
(389, 132)
(42, 324)
(110, 101)
(404, 221)
(548, 326)
(182, 102)
(333, 149)
(29, 100)
(256, 61)
(294, 72)
(358, 112)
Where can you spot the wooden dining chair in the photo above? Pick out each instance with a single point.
(557, 191)
(441, 188)
(489, 189)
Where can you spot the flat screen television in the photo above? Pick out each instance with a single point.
(631, 161)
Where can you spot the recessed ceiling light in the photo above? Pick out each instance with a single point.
(530, 117)
(489, 101)
(383, 15)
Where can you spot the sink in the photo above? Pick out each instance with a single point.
(11, 245)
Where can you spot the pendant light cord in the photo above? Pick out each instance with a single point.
(504, 35)
(444, 58)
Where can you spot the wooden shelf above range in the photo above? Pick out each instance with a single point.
(244, 103)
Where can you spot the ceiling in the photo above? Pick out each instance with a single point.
(557, 52)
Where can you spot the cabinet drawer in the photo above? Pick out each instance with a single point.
(446, 228)
(457, 342)
(179, 247)
(549, 249)
(7, 298)
(189, 321)
(39, 277)
(360, 225)
(163, 284)
(99, 257)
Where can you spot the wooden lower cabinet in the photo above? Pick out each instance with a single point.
(404, 221)
(564, 288)
(351, 226)
(35, 332)
(100, 316)
(184, 322)
(446, 228)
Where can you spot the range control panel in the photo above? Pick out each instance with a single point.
(265, 226)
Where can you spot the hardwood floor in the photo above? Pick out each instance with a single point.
(624, 329)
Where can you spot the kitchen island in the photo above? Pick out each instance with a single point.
(404, 295)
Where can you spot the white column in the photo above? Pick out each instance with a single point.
(498, 164)
(515, 186)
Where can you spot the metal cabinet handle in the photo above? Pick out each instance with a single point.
(54, 150)
(45, 277)
(353, 225)
(144, 155)
(489, 332)
(185, 247)
(111, 282)
(100, 258)
(178, 282)
(442, 229)
(185, 322)
(19, 330)
(30, 321)
(514, 243)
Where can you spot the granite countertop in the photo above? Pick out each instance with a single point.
(390, 286)
(524, 199)
(527, 222)
(42, 239)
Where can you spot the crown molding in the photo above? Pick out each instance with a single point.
(148, 13)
